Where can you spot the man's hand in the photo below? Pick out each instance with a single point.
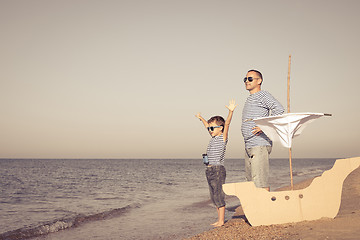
(256, 131)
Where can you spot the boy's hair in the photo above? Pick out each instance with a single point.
(219, 121)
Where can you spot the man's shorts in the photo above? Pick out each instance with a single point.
(257, 165)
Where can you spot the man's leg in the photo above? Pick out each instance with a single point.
(259, 159)
(247, 157)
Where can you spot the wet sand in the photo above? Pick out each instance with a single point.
(346, 225)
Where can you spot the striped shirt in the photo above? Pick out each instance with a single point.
(259, 104)
(216, 150)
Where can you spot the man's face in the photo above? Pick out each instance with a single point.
(253, 86)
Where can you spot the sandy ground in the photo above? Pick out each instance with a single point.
(346, 225)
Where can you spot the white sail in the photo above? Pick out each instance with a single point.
(284, 127)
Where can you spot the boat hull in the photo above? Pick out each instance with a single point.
(320, 199)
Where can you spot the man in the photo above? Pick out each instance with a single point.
(257, 145)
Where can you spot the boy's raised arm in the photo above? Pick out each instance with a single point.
(198, 115)
(231, 107)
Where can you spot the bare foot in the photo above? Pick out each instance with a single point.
(218, 225)
(214, 224)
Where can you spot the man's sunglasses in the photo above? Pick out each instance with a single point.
(250, 79)
(212, 128)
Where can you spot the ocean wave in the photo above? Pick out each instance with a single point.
(308, 172)
(65, 223)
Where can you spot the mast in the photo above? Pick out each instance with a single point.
(288, 86)
(288, 110)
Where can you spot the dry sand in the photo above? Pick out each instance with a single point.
(346, 225)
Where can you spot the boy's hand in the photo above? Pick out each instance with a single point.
(232, 105)
(198, 115)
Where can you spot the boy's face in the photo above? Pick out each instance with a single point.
(216, 131)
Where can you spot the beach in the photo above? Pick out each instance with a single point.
(346, 225)
(138, 199)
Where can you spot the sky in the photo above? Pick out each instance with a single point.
(125, 78)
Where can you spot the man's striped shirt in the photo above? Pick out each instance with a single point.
(216, 150)
(259, 104)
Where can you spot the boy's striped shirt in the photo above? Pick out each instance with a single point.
(216, 150)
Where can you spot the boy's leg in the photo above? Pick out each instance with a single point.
(220, 196)
(217, 222)
(211, 178)
(221, 217)
(216, 179)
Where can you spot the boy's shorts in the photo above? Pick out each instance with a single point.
(257, 165)
(216, 176)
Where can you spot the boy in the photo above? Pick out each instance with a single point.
(215, 170)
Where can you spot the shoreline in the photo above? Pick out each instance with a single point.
(346, 225)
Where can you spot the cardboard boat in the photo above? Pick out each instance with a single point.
(320, 199)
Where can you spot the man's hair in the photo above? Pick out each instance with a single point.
(258, 73)
(219, 121)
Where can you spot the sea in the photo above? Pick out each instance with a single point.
(90, 199)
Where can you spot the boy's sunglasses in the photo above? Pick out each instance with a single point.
(250, 79)
(212, 128)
